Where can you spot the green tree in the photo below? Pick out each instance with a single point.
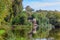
(44, 25)
(29, 10)
(16, 11)
(17, 7)
(4, 9)
(54, 18)
(22, 19)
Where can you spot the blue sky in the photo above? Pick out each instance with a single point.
(42, 4)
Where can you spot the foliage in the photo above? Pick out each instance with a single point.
(2, 32)
(21, 19)
(14, 23)
(43, 23)
(4, 9)
(54, 18)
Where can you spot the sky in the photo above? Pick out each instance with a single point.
(42, 4)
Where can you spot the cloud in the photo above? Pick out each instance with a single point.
(42, 4)
(37, 5)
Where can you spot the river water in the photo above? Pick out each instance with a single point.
(41, 39)
(44, 39)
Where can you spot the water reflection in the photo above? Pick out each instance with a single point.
(41, 39)
(44, 39)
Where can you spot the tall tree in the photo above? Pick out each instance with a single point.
(29, 10)
(17, 7)
(4, 9)
(17, 10)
